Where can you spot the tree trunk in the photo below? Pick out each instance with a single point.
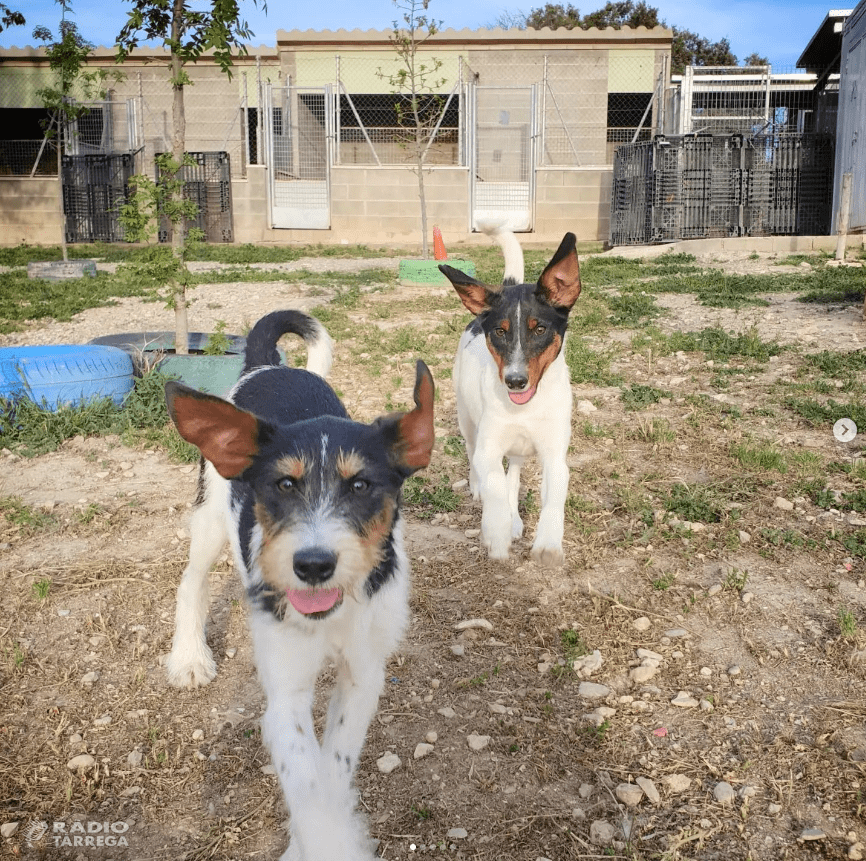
(419, 169)
(178, 149)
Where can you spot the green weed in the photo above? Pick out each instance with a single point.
(847, 623)
(639, 397)
(41, 588)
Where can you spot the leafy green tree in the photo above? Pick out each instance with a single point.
(688, 48)
(10, 18)
(756, 59)
(187, 32)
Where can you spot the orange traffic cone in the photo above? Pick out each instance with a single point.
(438, 245)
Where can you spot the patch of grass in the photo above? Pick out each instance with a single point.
(735, 581)
(696, 502)
(589, 366)
(764, 456)
(573, 646)
(29, 430)
(717, 344)
(427, 499)
(639, 397)
(835, 285)
(847, 623)
(787, 538)
(632, 308)
(855, 543)
(41, 588)
(826, 414)
(25, 519)
(664, 582)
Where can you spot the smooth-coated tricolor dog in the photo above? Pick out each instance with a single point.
(310, 501)
(514, 393)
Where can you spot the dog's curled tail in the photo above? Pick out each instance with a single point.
(510, 248)
(263, 337)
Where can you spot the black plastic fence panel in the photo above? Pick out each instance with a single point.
(208, 183)
(704, 186)
(94, 187)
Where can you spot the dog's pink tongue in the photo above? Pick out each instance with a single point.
(313, 600)
(522, 397)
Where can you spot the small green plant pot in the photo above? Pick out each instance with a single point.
(425, 273)
(213, 374)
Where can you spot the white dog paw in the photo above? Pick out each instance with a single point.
(516, 526)
(190, 671)
(547, 557)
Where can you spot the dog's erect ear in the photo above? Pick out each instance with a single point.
(560, 281)
(226, 436)
(410, 435)
(477, 297)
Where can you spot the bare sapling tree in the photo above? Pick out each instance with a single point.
(416, 86)
(187, 32)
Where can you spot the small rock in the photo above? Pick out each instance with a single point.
(422, 749)
(744, 536)
(783, 504)
(458, 650)
(585, 790)
(588, 664)
(642, 674)
(714, 590)
(471, 533)
(269, 770)
(855, 851)
(497, 708)
(457, 834)
(684, 700)
(747, 597)
(75, 738)
(447, 712)
(724, 793)
(601, 833)
(466, 624)
(676, 633)
(649, 654)
(748, 792)
(676, 783)
(387, 763)
(432, 737)
(706, 671)
(808, 834)
(734, 670)
(198, 735)
(90, 678)
(774, 809)
(81, 762)
(641, 624)
(231, 651)
(629, 794)
(706, 706)
(592, 691)
(134, 758)
(585, 407)
(460, 484)
(477, 742)
(8, 829)
(649, 789)
(105, 720)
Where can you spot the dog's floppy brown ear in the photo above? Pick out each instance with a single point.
(225, 435)
(473, 294)
(560, 281)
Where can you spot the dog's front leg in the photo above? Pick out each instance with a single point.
(322, 825)
(547, 547)
(496, 522)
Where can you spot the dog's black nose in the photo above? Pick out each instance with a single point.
(314, 565)
(516, 381)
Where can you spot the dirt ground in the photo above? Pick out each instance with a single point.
(724, 719)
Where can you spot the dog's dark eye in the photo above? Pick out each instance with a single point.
(499, 332)
(540, 330)
(360, 485)
(287, 484)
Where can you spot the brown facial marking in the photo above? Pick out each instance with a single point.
(531, 323)
(264, 519)
(497, 357)
(349, 463)
(376, 530)
(537, 365)
(293, 467)
(505, 324)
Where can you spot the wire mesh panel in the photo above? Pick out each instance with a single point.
(503, 162)
(702, 186)
(208, 184)
(94, 187)
(298, 123)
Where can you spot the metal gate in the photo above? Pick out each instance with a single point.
(298, 135)
(502, 179)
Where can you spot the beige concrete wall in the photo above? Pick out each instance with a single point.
(576, 200)
(29, 211)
